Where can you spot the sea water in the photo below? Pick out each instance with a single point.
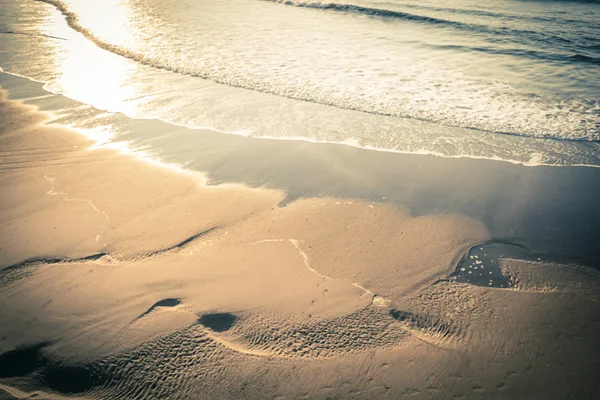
(512, 80)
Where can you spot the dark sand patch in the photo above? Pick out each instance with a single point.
(58, 376)
(21, 361)
(218, 322)
(72, 378)
(161, 304)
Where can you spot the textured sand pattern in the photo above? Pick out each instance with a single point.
(150, 284)
(190, 361)
(209, 354)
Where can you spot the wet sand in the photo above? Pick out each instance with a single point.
(121, 278)
(550, 211)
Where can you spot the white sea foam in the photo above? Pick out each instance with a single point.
(353, 102)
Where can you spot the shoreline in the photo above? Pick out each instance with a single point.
(320, 225)
(532, 162)
(65, 189)
(518, 204)
(72, 21)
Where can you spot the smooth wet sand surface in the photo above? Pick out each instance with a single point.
(121, 278)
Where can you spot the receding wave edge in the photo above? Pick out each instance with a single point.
(73, 22)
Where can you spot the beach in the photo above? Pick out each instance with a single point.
(299, 200)
(114, 265)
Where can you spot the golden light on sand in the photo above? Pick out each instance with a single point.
(299, 199)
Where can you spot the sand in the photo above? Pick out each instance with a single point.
(124, 278)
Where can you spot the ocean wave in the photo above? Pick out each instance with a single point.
(515, 34)
(584, 58)
(387, 13)
(525, 53)
(492, 14)
(522, 150)
(583, 133)
(378, 12)
(562, 1)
